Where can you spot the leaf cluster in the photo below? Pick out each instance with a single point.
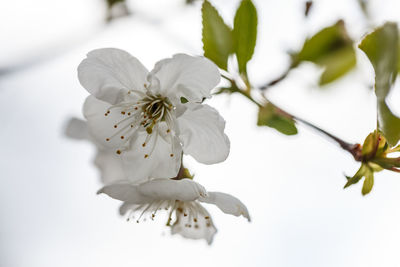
(376, 154)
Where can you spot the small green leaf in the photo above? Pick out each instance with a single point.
(245, 33)
(330, 48)
(113, 2)
(269, 116)
(337, 64)
(184, 100)
(364, 171)
(388, 123)
(369, 144)
(388, 163)
(217, 36)
(368, 182)
(357, 177)
(381, 47)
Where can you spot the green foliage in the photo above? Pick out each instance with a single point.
(245, 33)
(388, 123)
(217, 39)
(113, 2)
(368, 182)
(358, 176)
(374, 145)
(364, 171)
(184, 100)
(330, 48)
(375, 157)
(270, 116)
(382, 49)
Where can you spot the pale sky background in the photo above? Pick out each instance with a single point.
(292, 186)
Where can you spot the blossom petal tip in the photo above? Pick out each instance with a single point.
(100, 191)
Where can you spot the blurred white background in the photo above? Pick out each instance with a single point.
(292, 186)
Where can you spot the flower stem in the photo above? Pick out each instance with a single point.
(353, 149)
(275, 81)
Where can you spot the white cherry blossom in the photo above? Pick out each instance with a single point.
(150, 118)
(108, 163)
(181, 199)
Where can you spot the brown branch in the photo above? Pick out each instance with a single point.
(353, 149)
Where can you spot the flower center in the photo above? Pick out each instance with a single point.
(143, 115)
(192, 211)
(154, 109)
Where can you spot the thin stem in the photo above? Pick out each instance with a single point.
(353, 149)
(277, 80)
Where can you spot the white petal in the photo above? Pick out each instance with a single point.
(202, 134)
(202, 229)
(227, 203)
(158, 189)
(77, 129)
(108, 72)
(158, 164)
(110, 166)
(185, 76)
(126, 207)
(101, 127)
(126, 192)
(167, 189)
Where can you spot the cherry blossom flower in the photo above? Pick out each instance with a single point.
(181, 199)
(108, 163)
(149, 118)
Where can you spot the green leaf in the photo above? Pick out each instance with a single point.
(364, 171)
(388, 163)
(357, 177)
(330, 48)
(113, 2)
(269, 116)
(245, 33)
(368, 182)
(388, 123)
(381, 48)
(337, 64)
(217, 36)
(184, 100)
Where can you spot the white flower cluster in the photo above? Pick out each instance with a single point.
(142, 123)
